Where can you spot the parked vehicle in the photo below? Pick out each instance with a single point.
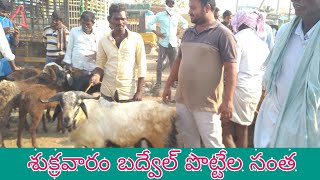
(137, 22)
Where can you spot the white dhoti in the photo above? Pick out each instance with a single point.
(245, 103)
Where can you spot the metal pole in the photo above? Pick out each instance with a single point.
(289, 11)
(278, 5)
(237, 5)
(262, 4)
(277, 11)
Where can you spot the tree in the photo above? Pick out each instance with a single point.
(267, 9)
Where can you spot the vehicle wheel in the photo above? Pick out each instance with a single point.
(148, 48)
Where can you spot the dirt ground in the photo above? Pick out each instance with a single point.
(54, 139)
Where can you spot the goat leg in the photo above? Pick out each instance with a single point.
(22, 122)
(1, 137)
(48, 116)
(36, 119)
(1, 140)
(44, 126)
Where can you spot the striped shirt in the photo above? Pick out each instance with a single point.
(50, 38)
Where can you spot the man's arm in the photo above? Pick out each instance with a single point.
(166, 95)
(184, 22)
(101, 60)
(226, 107)
(228, 53)
(4, 46)
(151, 23)
(141, 64)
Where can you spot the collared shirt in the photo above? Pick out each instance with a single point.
(50, 38)
(81, 45)
(121, 65)
(168, 27)
(4, 46)
(292, 57)
(201, 69)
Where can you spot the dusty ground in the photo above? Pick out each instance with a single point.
(57, 139)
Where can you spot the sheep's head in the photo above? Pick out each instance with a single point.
(70, 103)
(56, 73)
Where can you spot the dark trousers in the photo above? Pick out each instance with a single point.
(115, 98)
(171, 53)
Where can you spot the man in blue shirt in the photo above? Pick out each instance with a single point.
(12, 35)
(168, 21)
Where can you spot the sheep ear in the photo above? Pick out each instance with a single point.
(56, 97)
(84, 109)
(57, 110)
(52, 73)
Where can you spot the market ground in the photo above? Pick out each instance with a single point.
(56, 139)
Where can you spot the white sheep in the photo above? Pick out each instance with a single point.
(96, 122)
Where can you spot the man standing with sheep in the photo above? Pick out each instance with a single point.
(206, 50)
(120, 53)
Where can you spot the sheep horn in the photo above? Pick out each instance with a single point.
(83, 95)
(56, 97)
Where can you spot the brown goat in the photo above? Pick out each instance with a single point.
(10, 91)
(30, 103)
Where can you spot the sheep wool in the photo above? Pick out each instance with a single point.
(124, 124)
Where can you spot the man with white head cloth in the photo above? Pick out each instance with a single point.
(252, 52)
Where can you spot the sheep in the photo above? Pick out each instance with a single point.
(23, 74)
(93, 122)
(10, 91)
(30, 103)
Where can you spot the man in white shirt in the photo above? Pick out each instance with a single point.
(6, 51)
(82, 49)
(289, 114)
(252, 53)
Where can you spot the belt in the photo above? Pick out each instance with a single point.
(111, 99)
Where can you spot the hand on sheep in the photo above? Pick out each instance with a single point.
(166, 95)
(225, 111)
(137, 96)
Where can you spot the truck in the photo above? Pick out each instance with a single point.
(31, 16)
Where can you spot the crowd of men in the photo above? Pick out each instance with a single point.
(222, 69)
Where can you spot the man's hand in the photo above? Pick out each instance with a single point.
(225, 110)
(137, 96)
(166, 95)
(68, 67)
(16, 68)
(95, 79)
(16, 32)
(8, 30)
(92, 56)
(161, 35)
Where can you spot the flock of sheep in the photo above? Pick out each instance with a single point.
(92, 121)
